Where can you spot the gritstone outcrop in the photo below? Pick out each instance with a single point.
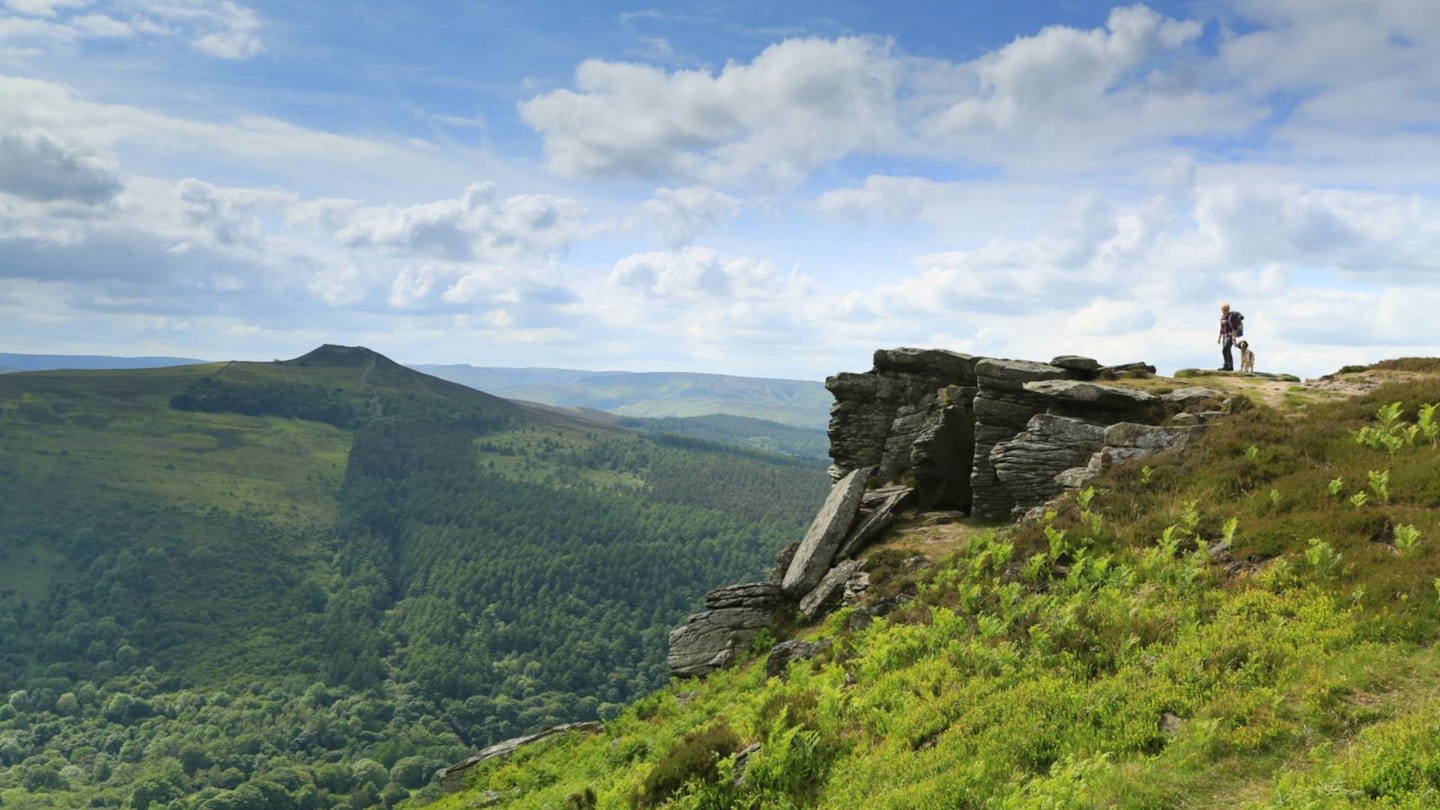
(935, 430)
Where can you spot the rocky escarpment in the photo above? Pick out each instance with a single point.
(928, 429)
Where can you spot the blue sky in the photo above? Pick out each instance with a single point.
(747, 188)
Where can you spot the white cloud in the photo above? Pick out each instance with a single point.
(475, 227)
(36, 166)
(1067, 100)
(799, 104)
(42, 8)
(894, 199)
(1376, 236)
(1044, 101)
(229, 216)
(219, 28)
(1062, 74)
(694, 273)
(233, 32)
(266, 149)
(698, 302)
(1103, 316)
(682, 214)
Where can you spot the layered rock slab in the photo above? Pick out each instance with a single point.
(825, 535)
(713, 638)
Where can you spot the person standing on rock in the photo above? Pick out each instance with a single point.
(1227, 337)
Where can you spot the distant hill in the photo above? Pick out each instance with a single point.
(802, 403)
(49, 362)
(759, 434)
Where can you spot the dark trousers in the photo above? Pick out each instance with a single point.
(1225, 343)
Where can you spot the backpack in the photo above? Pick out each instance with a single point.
(1237, 324)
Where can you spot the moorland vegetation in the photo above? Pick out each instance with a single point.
(1249, 624)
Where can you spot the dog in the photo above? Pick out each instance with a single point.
(1247, 357)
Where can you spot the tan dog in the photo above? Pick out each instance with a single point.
(1247, 357)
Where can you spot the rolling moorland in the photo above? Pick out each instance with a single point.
(798, 403)
(1251, 623)
(783, 416)
(311, 583)
(92, 362)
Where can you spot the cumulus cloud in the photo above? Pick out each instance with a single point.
(220, 28)
(694, 273)
(1061, 74)
(1351, 270)
(894, 199)
(1067, 98)
(1061, 95)
(475, 227)
(191, 247)
(1353, 85)
(798, 104)
(229, 216)
(701, 301)
(36, 166)
(681, 214)
(1369, 235)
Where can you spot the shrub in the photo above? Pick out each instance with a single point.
(693, 760)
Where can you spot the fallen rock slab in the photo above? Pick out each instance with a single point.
(826, 532)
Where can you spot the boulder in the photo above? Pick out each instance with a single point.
(787, 652)
(1093, 396)
(782, 562)
(826, 532)
(938, 363)
(870, 527)
(877, 415)
(1007, 409)
(855, 588)
(750, 594)
(829, 590)
(1084, 367)
(1130, 442)
(1028, 465)
(1130, 370)
(863, 616)
(1150, 437)
(1013, 374)
(1186, 399)
(452, 778)
(713, 639)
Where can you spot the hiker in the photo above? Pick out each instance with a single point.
(1230, 328)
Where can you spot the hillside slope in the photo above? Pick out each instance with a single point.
(1251, 624)
(800, 403)
(240, 580)
(90, 362)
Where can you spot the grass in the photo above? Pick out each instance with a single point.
(1105, 658)
(112, 434)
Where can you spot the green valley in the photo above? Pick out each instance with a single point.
(311, 583)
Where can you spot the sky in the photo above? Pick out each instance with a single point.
(752, 188)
